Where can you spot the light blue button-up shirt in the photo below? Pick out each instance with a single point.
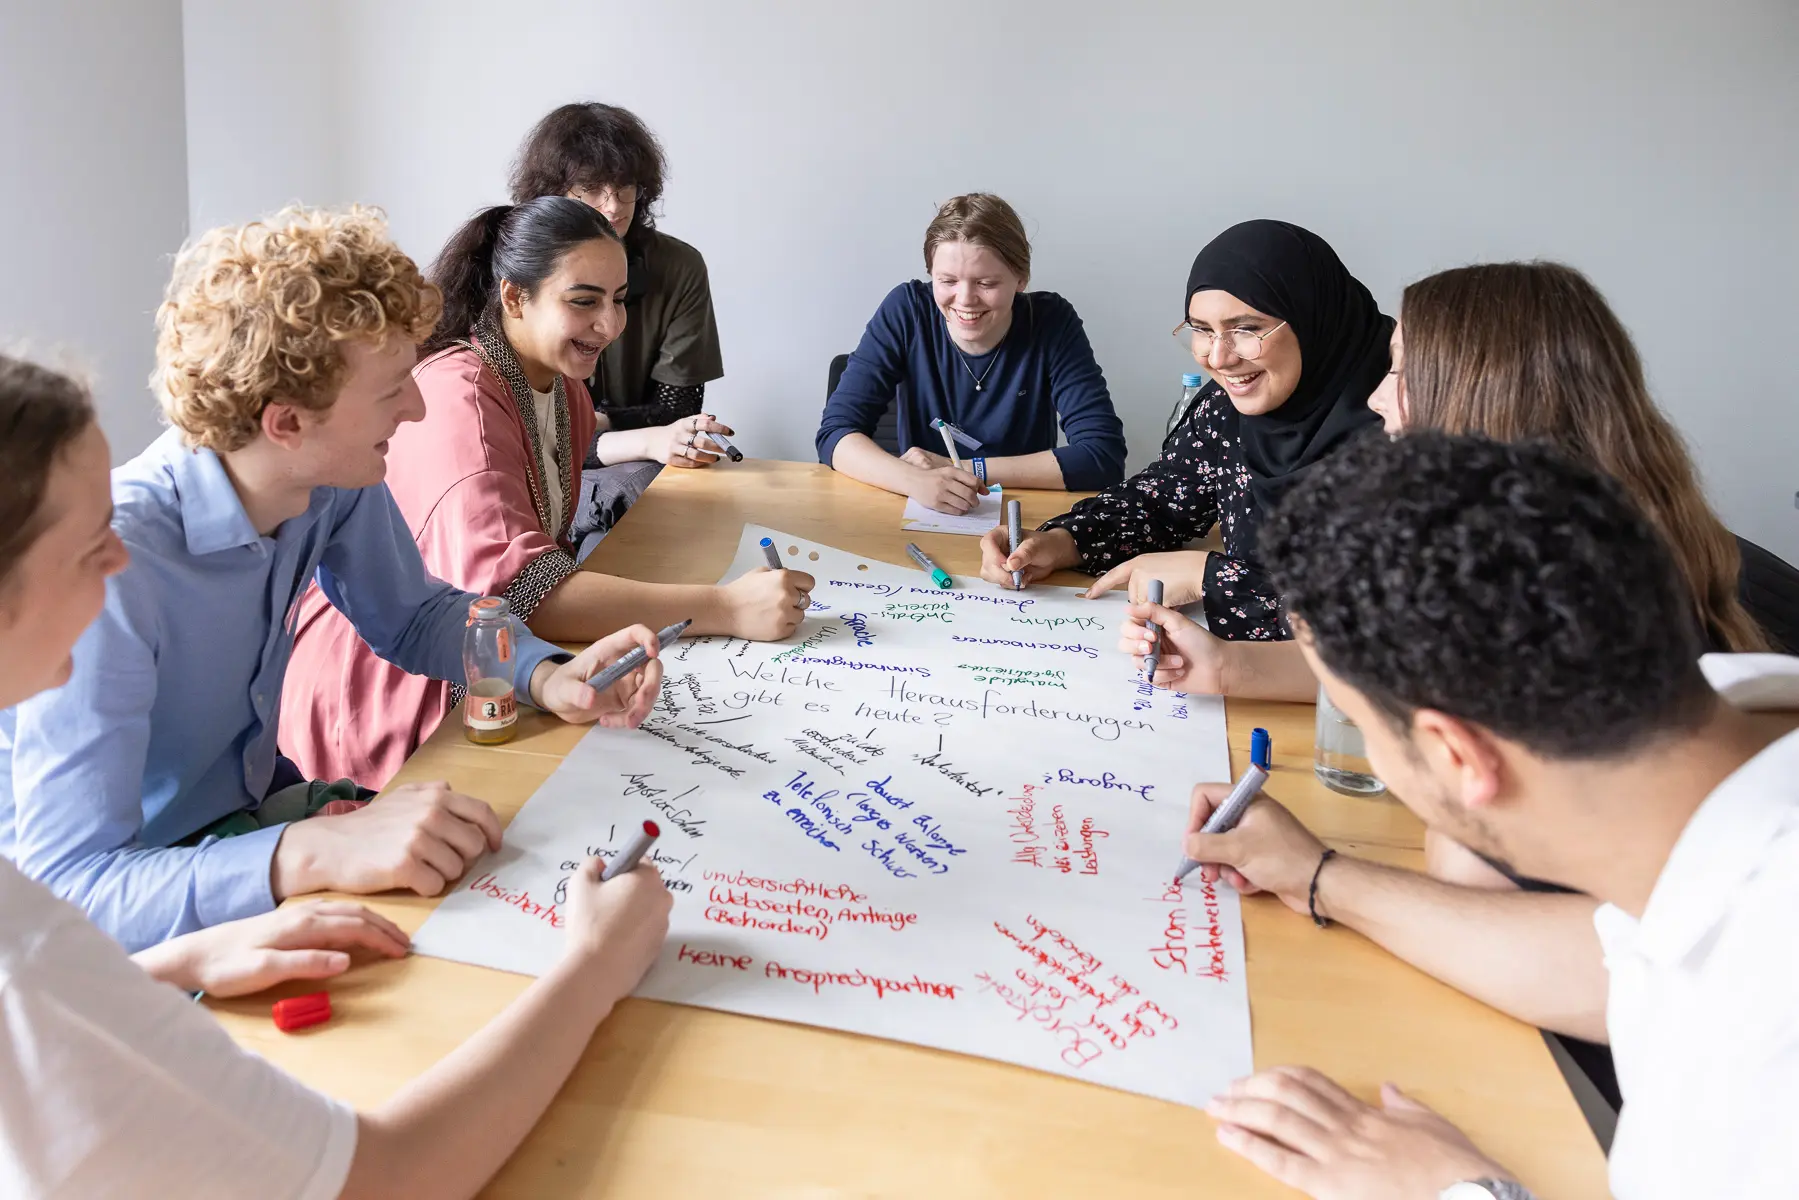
(168, 722)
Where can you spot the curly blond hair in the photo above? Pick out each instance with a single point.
(260, 312)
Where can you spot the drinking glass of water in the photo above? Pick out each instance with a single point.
(1341, 759)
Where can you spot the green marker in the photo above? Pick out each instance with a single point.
(939, 576)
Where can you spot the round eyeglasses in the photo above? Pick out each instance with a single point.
(1244, 343)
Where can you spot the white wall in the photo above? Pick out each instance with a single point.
(1649, 143)
(93, 192)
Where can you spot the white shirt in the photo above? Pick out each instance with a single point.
(1703, 1009)
(112, 1084)
(551, 466)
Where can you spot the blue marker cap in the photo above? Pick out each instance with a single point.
(1261, 749)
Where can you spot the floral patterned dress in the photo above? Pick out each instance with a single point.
(1199, 481)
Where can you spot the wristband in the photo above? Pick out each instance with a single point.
(979, 466)
(1312, 895)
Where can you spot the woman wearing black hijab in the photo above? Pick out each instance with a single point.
(1294, 344)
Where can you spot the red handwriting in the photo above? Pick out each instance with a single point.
(1066, 1000)
(1063, 850)
(858, 978)
(1024, 813)
(790, 887)
(1177, 940)
(746, 909)
(711, 958)
(486, 885)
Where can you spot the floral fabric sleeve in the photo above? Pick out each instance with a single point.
(1241, 604)
(1162, 507)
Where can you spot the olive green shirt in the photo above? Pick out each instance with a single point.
(670, 337)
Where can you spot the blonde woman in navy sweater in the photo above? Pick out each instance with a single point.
(973, 348)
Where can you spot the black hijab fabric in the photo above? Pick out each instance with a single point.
(1294, 276)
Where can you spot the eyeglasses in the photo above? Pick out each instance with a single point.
(625, 193)
(1244, 343)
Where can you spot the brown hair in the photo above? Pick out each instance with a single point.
(1532, 352)
(591, 145)
(260, 312)
(981, 219)
(42, 412)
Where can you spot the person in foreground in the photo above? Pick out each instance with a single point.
(487, 482)
(973, 348)
(149, 789)
(1294, 344)
(1523, 657)
(113, 1083)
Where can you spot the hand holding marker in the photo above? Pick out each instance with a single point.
(724, 443)
(952, 435)
(1014, 535)
(1225, 817)
(1154, 657)
(636, 658)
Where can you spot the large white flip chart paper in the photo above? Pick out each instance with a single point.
(944, 817)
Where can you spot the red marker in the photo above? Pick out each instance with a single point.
(627, 858)
(300, 1011)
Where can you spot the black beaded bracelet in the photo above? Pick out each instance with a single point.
(1312, 895)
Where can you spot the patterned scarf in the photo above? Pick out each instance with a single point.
(493, 348)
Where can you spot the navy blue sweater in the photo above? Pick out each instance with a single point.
(1042, 371)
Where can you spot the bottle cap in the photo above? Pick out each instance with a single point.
(487, 608)
(1193, 380)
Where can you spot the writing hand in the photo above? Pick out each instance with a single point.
(680, 445)
(1182, 572)
(918, 456)
(1040, 553)
(1192, 660)
(617, 927)
(418, 836)
(313, 940)
(945, 489)
(1307, 1132)
(765, 605)
(624, 705)
(1269, 850)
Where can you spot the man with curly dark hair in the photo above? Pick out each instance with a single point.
(149, 790)
(1523, 658)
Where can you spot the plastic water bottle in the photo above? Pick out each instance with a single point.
(1190, 387)
(490, 713)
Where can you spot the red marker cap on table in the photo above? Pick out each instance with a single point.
(297, 1012)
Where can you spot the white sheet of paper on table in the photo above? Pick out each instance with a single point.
(990, 511)
(943, 817)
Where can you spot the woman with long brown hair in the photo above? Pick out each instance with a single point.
(1527, 352)
(1532, 352)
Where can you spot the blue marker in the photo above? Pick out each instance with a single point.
(1261, 749)
(770, 554)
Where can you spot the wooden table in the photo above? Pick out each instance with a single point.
(677, 1101)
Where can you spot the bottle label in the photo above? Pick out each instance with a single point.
(488, 713)
(505, 640)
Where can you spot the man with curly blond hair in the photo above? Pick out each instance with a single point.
(149, 790)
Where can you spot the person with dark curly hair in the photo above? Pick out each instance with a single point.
(1523, 656)
(653, 376)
